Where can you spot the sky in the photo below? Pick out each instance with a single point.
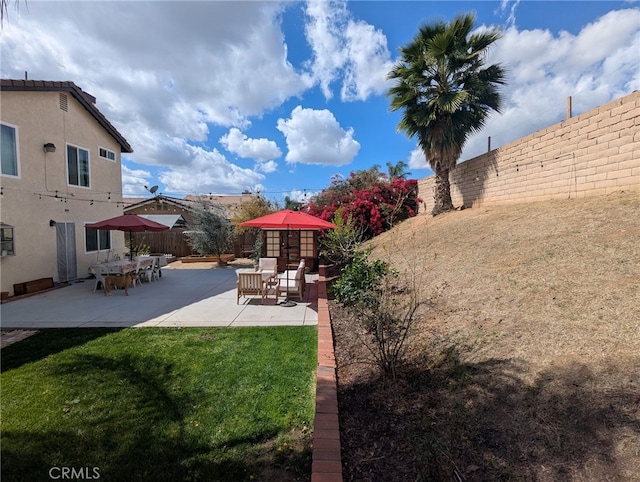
(282, 97)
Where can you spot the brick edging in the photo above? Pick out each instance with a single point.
(327, 460)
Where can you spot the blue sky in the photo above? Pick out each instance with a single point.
(280, 97)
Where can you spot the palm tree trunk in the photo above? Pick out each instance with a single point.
(442, 194)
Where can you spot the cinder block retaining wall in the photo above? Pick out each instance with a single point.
(594, 153)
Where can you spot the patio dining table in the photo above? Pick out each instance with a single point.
(125, 266)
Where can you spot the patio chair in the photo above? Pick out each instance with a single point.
(156, 268)
(268, 264)
(250, 284)
(151, 272)
(100, 276)
(138, 273)
(292, 283)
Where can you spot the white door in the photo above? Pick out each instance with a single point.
(66, 256)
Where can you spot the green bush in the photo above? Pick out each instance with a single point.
(340, 245)
(360, 280)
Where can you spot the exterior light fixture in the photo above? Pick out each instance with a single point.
(52, 223)
(49, 147)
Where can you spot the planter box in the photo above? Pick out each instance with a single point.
(32, 286)
(19, 289)
(207, 259)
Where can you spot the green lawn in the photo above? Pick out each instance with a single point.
(160, 404)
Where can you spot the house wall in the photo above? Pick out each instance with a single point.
(29, 202)
(597, 152)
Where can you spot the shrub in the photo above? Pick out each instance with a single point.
(386, 316)
(340, 245)
(359, 280)
(384, 307)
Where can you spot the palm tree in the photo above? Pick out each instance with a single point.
(397, 171)
(4, 9)
(446, 93)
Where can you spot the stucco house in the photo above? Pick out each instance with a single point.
(60, 171)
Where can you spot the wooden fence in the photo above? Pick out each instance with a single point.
(166, 242)
(175, 242)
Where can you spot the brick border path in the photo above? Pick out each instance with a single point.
(327, 460)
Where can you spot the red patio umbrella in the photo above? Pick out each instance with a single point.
(288, 219)
(128, 223)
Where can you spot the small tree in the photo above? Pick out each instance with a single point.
(257, 248)
(339, 245)
(211, 232)
(384, 306)
(254, 208)
(387, 315)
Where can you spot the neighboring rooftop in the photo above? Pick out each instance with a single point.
(230, 203)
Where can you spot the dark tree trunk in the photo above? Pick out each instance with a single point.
(442, 194)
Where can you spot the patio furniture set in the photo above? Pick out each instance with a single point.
(265, 281)
(147, 268)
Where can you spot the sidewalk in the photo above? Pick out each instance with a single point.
(182, 297)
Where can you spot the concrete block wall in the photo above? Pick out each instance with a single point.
(594, 153)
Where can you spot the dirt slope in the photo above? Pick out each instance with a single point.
(530, 367)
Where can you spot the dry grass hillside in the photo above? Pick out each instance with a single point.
(528, 368)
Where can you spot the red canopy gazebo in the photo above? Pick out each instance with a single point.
(289, 220)
(286, 221)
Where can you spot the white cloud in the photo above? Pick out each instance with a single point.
(208, 171)
(302, 196)
(266, 166)
(260, 149)
(504, 7)
(315, 137)
(368, 64)
(417, 159)
(134, 181)
(323, 34)
(344, 47)
(595, 66)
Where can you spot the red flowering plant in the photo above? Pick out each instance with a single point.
(375, 202)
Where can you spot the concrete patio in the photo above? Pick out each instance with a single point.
(182, 297)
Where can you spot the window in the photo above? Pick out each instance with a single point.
(78, 166)
(8, 247)
(273, 244)
(96, 239)
(107, 153)
(306, 244)
(9, 150)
